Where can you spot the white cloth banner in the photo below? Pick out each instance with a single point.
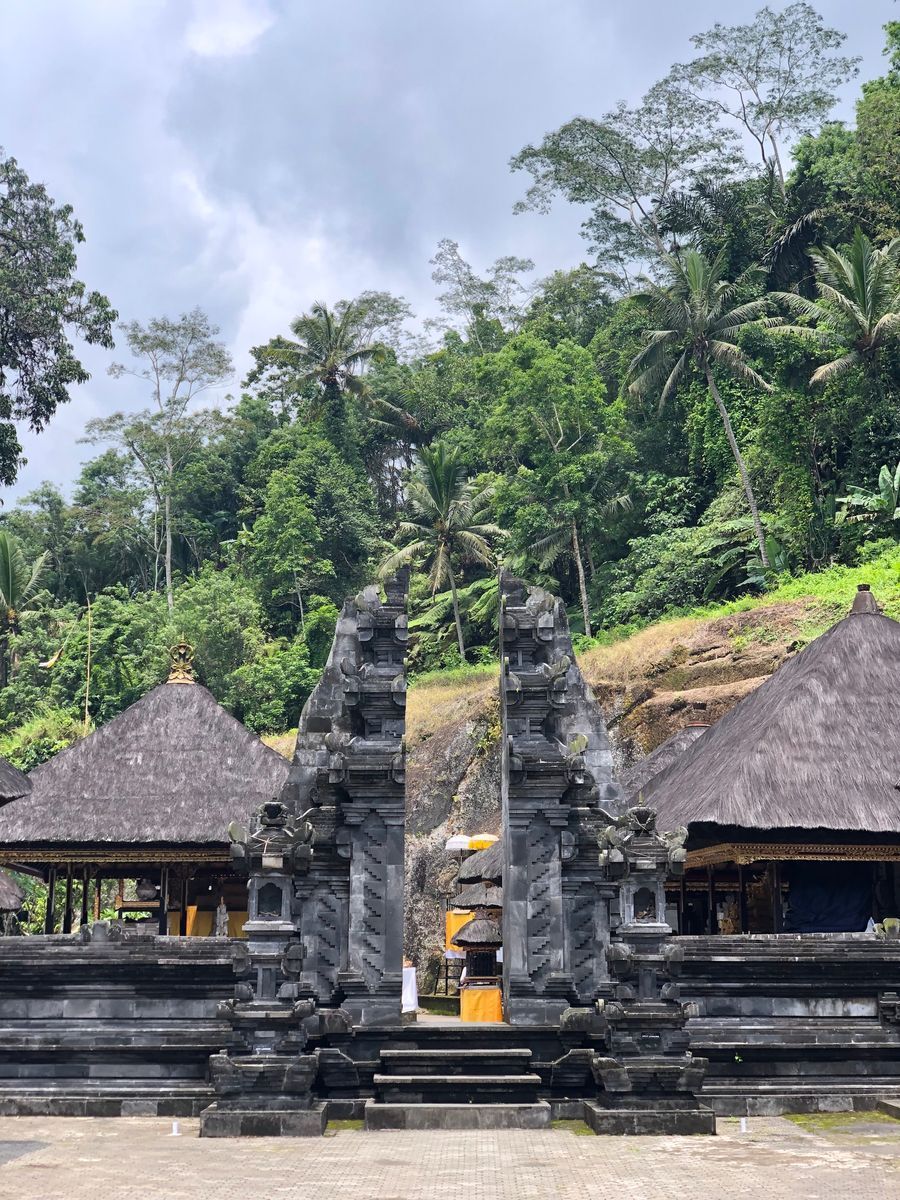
(410, 995)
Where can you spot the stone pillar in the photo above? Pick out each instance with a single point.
(557, 784)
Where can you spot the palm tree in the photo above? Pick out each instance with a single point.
(858, 305)
(564, 542)
(332, 352)
(19, 582)
(448, 520)
(697, 328)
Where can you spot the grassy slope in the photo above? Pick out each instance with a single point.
(798, 609)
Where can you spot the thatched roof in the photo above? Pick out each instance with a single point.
(479, 895)
(13, 783)
(11, 895)
(640, 774)
(817, 746)
(480, 931)
(483, 864)
(174, 768)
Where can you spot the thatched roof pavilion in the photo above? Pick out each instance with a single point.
(484, 864)
(636, 778)
(13, 783)
(155, 787)
(804, 768)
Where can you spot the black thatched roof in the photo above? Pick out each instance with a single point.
(480, 931)
(483, 864)
(13, 783)
(640, 774)
(174, 768)
(479, 895)
(815, 746)
(11, 895)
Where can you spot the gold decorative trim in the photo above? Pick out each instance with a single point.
(744, 853)
(102, 857)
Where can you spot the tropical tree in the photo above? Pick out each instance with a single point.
(448, 523)
(42, 305)
(328, 361)
(858, 306)
(19, 582)
(696, 329)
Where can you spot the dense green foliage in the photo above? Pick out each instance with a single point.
(707, 411)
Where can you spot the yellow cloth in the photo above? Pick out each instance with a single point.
(200, 923)
(453, 923)
(480, 1004)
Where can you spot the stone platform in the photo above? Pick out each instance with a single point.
(227, 1123)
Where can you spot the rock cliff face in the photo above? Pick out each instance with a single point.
(649, 686)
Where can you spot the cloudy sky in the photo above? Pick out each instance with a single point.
(252, 156)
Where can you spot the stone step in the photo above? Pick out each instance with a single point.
(449, 1089)
(104, 1098)
(455, 1062)
(380, 1116)
(731, 1098)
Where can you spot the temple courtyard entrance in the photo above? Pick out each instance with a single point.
(822, 1156)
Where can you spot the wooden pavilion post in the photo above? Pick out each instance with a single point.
(50, 914)
(98, 879)
(742, 900)
(67, 913)
(182, 918)
(163, 901)
(85, 886)
(712, 924)
(777, 911)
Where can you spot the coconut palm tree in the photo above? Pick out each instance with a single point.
(696, 329)
(19, 581)
(332, 352)
(447, 523)
(858, 307)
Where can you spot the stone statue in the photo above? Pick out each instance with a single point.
(221, 919)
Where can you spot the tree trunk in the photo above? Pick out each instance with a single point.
(456, 618)
(4, 658)
(582, 585)
(739, 459)
(170, 471)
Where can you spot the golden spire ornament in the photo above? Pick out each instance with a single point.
(181, 658)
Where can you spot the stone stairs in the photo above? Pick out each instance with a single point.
(456, 1089)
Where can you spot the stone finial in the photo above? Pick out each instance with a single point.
(864, 601)
(181, 660)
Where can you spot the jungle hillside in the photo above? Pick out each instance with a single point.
(701, 418)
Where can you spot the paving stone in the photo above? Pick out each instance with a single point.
(135, 1158)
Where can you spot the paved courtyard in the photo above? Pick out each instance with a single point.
(139, 1159)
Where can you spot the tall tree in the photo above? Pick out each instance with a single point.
(179, 360)
(697, 328)
(42, 304)
(447, 522)
(19, 582)
(625, 166)
(550, 416)
(776, 77)
(326, 365)
(481, 308)
(858, 308)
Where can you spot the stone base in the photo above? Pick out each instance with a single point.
(636, 1121)
(307, 1122)
(457, 1116)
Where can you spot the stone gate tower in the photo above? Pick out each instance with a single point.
(557, 776)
